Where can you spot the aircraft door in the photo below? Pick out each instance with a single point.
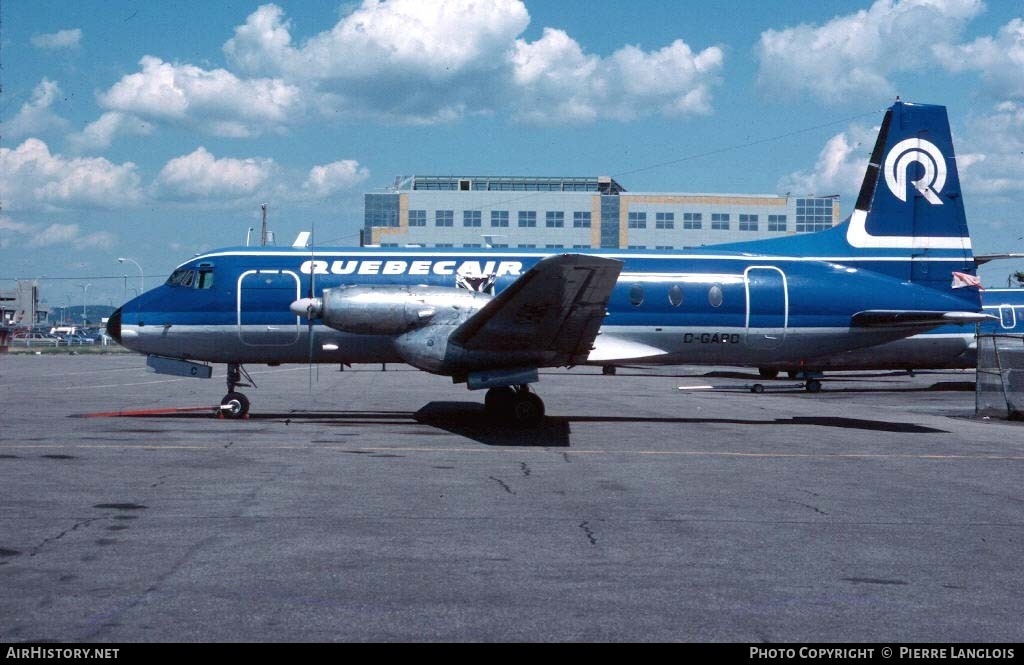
(264, 297)
(767, 306)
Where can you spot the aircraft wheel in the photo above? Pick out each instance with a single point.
(498, 401)
(757, 388)
(766, 373)
(234, 405)
(813, 386)
(608, 370)
(527, 409)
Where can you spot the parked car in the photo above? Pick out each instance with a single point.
(35, 339)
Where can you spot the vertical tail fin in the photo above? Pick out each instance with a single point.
(910, 197)
(910, 201)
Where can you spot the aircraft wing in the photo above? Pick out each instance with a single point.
(556, 306)
(888, 318)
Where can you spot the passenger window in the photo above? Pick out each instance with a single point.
(675, 295)
(636, 295)
(715, 296)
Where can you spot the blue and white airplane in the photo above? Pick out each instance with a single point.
(492, 319)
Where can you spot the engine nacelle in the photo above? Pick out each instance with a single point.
(393, 310)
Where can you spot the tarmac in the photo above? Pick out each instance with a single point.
(369, 505)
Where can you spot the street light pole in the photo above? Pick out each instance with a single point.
(85, 289)
(142, 277)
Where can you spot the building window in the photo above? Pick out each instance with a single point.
(527, 219)
(748, 222)
(554, 219)
(581, 220)
(664, 220)
(663, 247)
(692, 220)
(776, 222)
(637, 247)
(499, 245)
(638, 220)
(553, 246)
(444, 244)
(471, 218)
(473, 245)
(417, 218)
(720, 221)
(444, 218)
(526, 246)
(581, 246)
(499, 218)
(813, 215)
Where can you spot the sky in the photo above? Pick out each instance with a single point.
(154, 130)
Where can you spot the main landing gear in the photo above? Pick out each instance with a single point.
(235, 404)
(515, 404)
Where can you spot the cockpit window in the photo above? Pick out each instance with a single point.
(192, 278)
(182, 277)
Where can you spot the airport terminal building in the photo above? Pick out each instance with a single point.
(577, 213)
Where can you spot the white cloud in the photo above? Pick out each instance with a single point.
(58, 40)
(329, 179)
(101, 133)
(840, 166)
(13, 233)
(35, 116)
(994, 162)
(201, 175)
(212, 101)
(855, 55)
(32, 178)
(427, 62)
(557, 81)
(999, 60)
(70, 234)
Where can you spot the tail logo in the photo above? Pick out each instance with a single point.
(925, 153)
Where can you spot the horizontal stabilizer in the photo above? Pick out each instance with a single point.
(985, 258)
(886, 318)
(557, 306)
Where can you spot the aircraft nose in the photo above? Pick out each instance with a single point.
(114, 325)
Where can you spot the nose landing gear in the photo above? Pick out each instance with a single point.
(235, 404)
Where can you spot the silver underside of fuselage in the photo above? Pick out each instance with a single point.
(670, 345)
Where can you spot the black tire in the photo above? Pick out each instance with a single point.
(813, 386)
(608, 370)
(234, 405)
(757, 388)
(498, 401)
(527, 410)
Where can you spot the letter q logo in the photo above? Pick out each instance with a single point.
(925, 153)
